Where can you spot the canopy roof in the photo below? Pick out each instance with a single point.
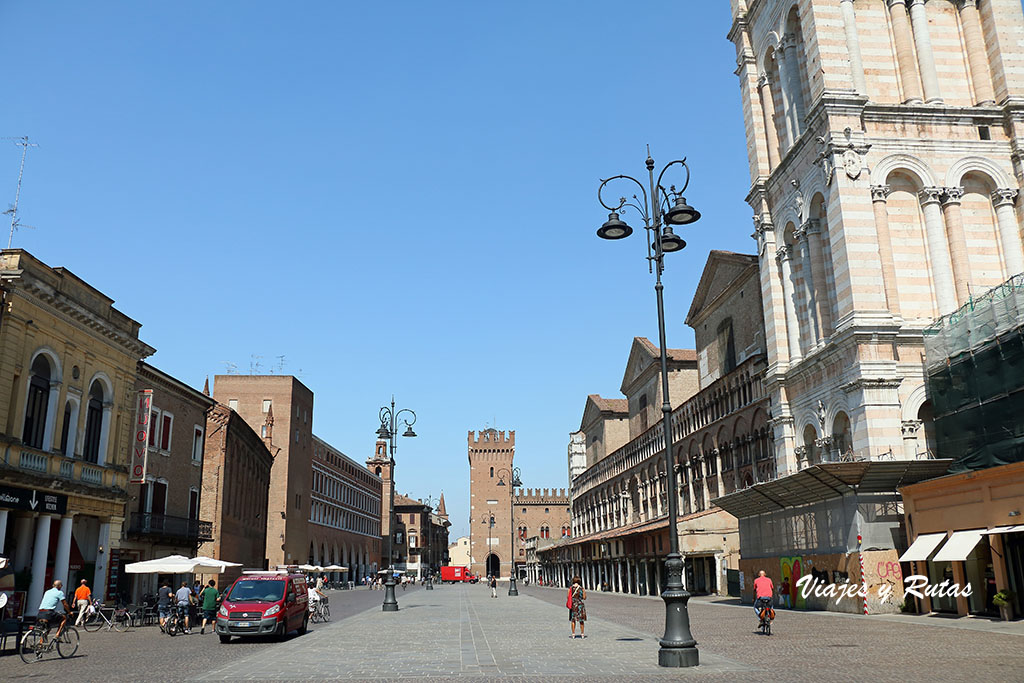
(830, 480)
(179, 564)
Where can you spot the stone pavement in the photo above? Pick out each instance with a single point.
(460, 631)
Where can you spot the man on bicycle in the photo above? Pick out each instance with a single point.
(763, 591)
(50, 607)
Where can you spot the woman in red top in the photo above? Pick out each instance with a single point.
(577, 608)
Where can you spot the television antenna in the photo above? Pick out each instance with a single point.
(232, 368)
(13, 211)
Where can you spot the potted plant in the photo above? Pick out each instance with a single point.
(1004, 601)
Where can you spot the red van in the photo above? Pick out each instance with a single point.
(270, 603)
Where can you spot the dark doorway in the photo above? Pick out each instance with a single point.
(493, 565)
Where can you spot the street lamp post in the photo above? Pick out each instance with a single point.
(388, 431)
(678, 648)
(489, 521)
(514, 481)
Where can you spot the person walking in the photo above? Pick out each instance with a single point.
(784, 593)
(208, 598)
(163, 603)
(83, 596)
(493, 583)
(185, 597)
(575, 601)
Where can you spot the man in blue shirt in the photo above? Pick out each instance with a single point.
(54, 603)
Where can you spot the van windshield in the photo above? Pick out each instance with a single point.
(257, 590)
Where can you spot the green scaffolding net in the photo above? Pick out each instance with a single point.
(974, 360)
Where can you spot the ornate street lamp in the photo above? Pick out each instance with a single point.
(660, 211)
(388, 431)
(431, 502)
(514, 482)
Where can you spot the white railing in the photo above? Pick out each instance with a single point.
(92, 475)
(67, 469)
(33, 461)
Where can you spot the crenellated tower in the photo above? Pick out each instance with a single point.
(491, 453)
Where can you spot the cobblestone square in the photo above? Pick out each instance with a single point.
(460, 632)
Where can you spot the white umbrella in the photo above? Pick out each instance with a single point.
(310, 568)
(208, 565)
(335, 568)
(172, 564)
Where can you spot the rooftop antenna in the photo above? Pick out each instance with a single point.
(232, 368)
(280, 363)
(13, 211)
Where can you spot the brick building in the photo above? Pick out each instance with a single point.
(253, 397)
(497, 509)
(345, 527)
(68, 364)
(162, 516)
(237, 465)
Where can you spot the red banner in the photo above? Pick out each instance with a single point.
(140, 436)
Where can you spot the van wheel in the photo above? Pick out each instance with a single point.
(305, 623)
(281, 631)
(224, 638)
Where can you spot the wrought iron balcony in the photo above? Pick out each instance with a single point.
(168, 527)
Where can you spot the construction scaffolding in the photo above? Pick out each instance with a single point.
(974, 359)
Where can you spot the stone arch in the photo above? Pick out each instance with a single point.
(914, 401)
(47, 361)
(54, 359)
(905, 162)
(978, 164)
(841, 433)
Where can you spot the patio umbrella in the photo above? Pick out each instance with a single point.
(172, 564)
(208, 565)
(310, 568)
(335, 568)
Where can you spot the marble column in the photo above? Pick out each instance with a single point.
(786, 97)
(1009, 232)
(768, 112)
(879, 193)
(925, 56)
(822, 300)
(957, 243)
(810, 295)
(793, 83)
(977, 55)
(853, 46)
(62, 558)
(905, 51)
(783, 256)
(938, 249)
(99, 588)
(719, 474)
(40, 554)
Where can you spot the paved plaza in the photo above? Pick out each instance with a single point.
(457, 632)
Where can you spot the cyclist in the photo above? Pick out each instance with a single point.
(763, 591)
(50, 606)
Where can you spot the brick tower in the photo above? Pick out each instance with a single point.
(383, 466)
(490, 497)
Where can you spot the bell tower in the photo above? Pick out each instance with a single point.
(383, 466)
(490, 499)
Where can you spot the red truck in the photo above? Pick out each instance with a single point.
(457, 575)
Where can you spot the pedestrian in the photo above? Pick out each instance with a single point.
(763, 591)
(209, 598)
(163, 602)
(784, 593)
(83, 596)
(577, 609)
(185, 598)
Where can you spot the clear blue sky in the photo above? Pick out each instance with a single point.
(397, 197)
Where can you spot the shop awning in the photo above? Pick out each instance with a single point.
(829, 480)
(922, 547)
(1006, 529)
(959, 546)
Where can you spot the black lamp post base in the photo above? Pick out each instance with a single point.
(512, 590)
(390, 602)
(678, 657)
(430, 585)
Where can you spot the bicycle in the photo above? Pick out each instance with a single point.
(120, 618)
(320, 611)
(765, 617)
(175, 623)
(35, 643)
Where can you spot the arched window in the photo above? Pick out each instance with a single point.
(38, 400)
(545, 531)
(522, 532)
(93, 423)
(726, 347)
(492, 473)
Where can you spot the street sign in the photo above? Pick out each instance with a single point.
(13, 498)
(140, 447)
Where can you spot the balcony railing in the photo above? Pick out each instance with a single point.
(55, 464)
(145, 524)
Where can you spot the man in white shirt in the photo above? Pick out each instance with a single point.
(184, 596)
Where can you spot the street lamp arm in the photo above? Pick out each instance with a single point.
(681, 162)
(622, 200)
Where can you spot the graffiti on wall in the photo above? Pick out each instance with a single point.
(791, 569)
